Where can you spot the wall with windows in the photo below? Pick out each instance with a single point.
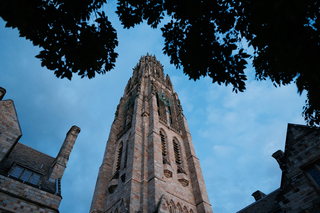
(29, 179)
(16, 196)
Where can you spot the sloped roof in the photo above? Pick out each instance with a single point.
(31, 159)
(264, 205)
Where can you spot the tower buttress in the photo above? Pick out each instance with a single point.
(60, 163)
(149, 163)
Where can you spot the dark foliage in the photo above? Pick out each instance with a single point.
(200, 37)
(70, 44)
(203, 37)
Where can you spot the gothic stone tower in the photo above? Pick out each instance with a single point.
(149, 163)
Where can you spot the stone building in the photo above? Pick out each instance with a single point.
(29, 179)
(300, 182)
(150, 163)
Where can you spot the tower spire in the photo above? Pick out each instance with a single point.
(149, 163)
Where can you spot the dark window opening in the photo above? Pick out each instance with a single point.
(170, 117)
(164, 149)
(126, 155)
(176, 149)
(158, 105)
(315, 174)
(119, 158)
(25, 175)
(163, 145)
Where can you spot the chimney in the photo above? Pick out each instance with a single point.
(258, 195)
(279, 156)
(60, 163)
(2, 92)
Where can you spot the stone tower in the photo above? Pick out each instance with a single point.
(150, 164)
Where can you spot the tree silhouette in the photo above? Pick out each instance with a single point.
(203, 37)
(63, 30)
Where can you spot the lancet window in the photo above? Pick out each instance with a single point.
(170, 115)
(129, 111)
(158, 105)
(126, 154)
(164, 148)
(120, 149)
(161, 108)
(177, 154)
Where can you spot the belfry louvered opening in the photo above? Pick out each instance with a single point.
(177, 155)
(119, 158)
(163, 145)
(164, 148)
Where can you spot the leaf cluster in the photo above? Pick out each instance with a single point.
(70, 43)
(200, 36)
(286, 40)
(204, 37)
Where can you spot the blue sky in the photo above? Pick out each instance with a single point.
(234, 134)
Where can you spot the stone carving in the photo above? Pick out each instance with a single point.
(184, 182)
(167, 173)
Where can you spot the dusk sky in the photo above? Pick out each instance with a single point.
(234, 135)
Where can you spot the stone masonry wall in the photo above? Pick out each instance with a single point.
(300, 192)
(19, 197)
(9, 127)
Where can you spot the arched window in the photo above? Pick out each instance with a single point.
(170, 115)
(164, 148)
(120, 149)
(158, 105)
(162, 101)
(157, 73)
(177, 154)
(179, 209)
(163, 145)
